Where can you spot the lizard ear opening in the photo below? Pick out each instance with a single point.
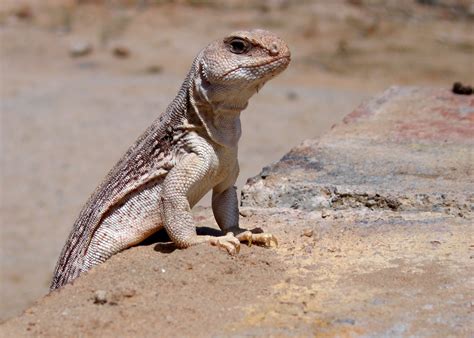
(204, 81)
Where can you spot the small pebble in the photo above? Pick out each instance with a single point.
(128, 293)
(349, 321)
(154, 69)
(121, 52)
(308, 232)
(245, 212)
(79, 49)
(24, 12)
(292, 96)
(100, 297)
(459, 88)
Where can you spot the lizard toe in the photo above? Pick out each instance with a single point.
(255, 236)
(263, 239)
(245, 236)
(228, 242)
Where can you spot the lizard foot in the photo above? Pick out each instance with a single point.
(256, 236)
(228, 242)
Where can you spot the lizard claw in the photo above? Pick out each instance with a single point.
(264, 239)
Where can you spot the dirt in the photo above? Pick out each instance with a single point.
(66, 120)
(350, 275)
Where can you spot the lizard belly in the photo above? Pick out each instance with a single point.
(127, 224)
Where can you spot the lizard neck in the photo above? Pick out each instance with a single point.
(221, 119)
(223, 126)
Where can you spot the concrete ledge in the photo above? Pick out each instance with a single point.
(408, 149)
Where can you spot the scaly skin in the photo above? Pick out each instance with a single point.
(189, 150)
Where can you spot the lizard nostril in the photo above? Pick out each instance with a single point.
(274, 49)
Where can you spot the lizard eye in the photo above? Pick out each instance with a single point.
(238, 46)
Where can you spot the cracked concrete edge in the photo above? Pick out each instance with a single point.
(408, 149)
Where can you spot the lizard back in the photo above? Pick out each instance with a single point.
(150, 157)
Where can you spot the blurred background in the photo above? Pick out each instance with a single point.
(81, 80)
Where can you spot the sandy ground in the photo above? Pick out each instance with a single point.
(342, 276)
(65, 121)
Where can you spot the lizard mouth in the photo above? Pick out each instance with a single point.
(273, 61)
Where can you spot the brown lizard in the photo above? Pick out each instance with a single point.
(187, 151)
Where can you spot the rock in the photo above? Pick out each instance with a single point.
(154, 69)
(384, 156)
(459, 88)
(100, 297)
(292, 95)
(24, 12)
(79, 49)
(349, 321)
(121, 52)
(246, 212)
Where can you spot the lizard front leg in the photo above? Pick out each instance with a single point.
(226, 212)
(177, 217)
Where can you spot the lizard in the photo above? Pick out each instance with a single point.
(189, 150)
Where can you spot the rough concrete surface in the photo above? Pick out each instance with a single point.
(409, 149)
(375, 228)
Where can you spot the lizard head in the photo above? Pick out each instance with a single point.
(232, 69)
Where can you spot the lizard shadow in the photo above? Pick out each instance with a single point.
(164, 244)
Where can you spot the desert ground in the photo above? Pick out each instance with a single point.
(80, 81)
